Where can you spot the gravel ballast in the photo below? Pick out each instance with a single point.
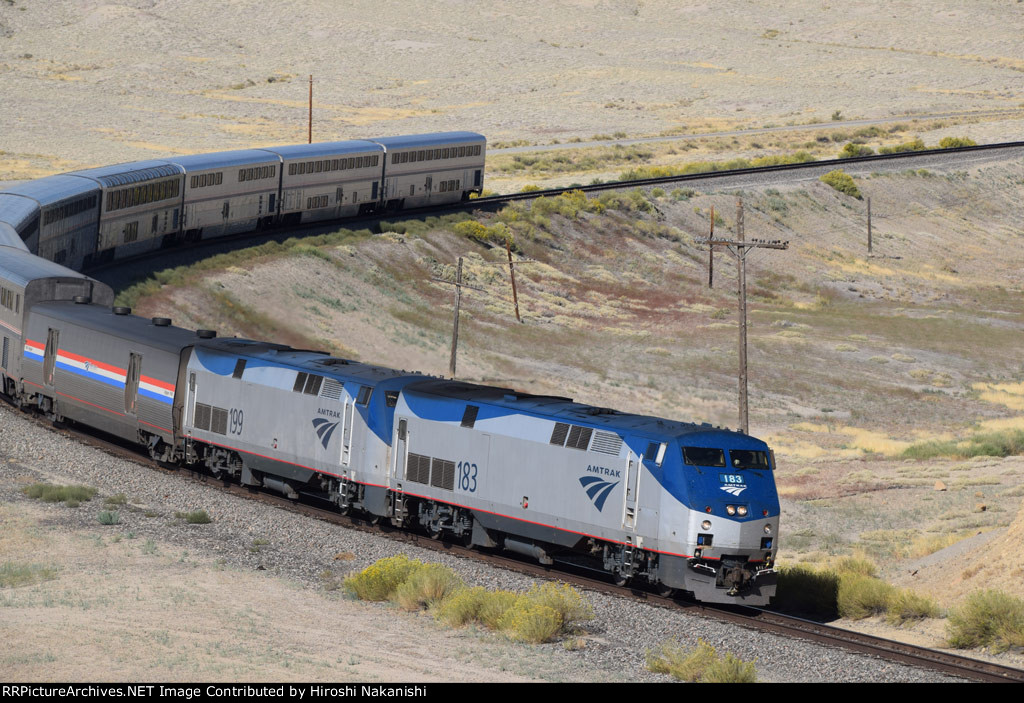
(300, 549)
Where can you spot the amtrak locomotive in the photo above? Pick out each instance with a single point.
(681, 506)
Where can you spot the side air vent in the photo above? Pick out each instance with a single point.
(443, 474)
(607, 443)
(202, 417)
(417, 468)
(579, 437)
(332, 389)
(559, 433)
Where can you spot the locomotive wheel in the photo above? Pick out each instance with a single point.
(664, 591)
(619, 580)
(435, 533)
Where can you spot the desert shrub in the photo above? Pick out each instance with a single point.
(953, 142)
(109, 517)
(843, 182)
(803, 589)
(987, 619)
(494, 605)
(428, 586)
(569, 603)
(856, 565)
(906, 605)
(529, 188)
(381, 579)
(852, 149)
(530, 621)
(462, 607)
(119, 499)
(195, 517)
(700, 664)
(59, 494)
(1002, 444)
(730, 669)
(916, 144)
(862, 596)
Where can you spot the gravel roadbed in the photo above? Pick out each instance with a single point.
(300, 549)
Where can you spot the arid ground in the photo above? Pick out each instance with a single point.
(854, 358)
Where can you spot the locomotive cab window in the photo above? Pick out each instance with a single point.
(749, 459)
(702, 456)
(655, 452)
(364, 395)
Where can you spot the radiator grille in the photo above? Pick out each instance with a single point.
(607, 443)
(417, 468)
(332, 389)
(202, 417)
(443, 474)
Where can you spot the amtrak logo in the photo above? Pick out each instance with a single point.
(733, 490)
(324, 430)
(597, 489)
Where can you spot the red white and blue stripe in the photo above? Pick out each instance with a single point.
(94, 370)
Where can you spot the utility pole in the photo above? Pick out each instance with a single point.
(512, 275)
(869, 226)
(311, 108)
(739, 248)
(711, 252)
(458, 302)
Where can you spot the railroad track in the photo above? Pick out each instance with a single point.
(496, 201)
(752, 618)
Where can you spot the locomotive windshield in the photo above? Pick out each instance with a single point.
(749, 459)
(702, 456)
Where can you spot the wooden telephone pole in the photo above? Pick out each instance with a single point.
(459, 285)
(739, 248)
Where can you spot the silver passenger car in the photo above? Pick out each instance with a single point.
(329, 180)
(432, 169)
(228, 192)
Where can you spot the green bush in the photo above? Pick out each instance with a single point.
(494, 606)
(856, 565)
(700, 664)
(380, 580)
(462, 607)
(907, 605)
(852, 149)
(108, 517)
(842, 182)
(59, 494)
(565, 600)
(730, 669)
(953, 142)
(807, 591)
(529, 621)
(987, 619)
(1002, 444)
(427, 587)
(862, 596)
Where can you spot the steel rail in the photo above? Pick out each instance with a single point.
(498, 200)
(575, 574)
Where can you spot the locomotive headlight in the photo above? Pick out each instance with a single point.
(706, 525)
(742, 510)
(767, 529)
(731, 509)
